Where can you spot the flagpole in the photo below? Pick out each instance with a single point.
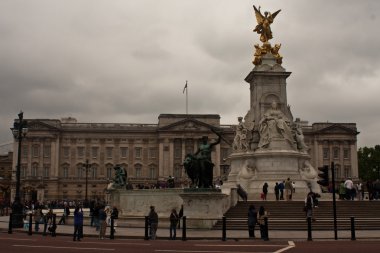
(187, 105)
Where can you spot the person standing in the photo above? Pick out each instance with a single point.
(153, 221)
(102, 222)
(180, 215)
(78, 224)
(252, 220)
(288, 189)
(261, 215)
(359, 189)
(114, 217)
(265, 191)
(281, 188)
(277, 191)
(38, 218)
(349, 185)
(309, 205)
(173, 224)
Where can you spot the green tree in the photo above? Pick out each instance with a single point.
(369, 162)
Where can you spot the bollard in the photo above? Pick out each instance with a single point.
(353, 237)
(30, 224)
(54, 227)
(184, 228)
(146, 237)
(112, 234)
(45, 227)
(224, 220)
(309, 237)
(10, 223)
(266, 228)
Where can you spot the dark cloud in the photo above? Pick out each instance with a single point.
(127, 61)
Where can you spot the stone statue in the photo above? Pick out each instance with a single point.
(307, 171)
(300, 139)
(120, 179)
(263, 24)
(274, 124)
(199, 166)
(240, 141)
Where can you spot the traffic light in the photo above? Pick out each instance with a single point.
(324, 175)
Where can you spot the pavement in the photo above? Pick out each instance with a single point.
(204, 234)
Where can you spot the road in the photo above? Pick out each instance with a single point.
(21, 243)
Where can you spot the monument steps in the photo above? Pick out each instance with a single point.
(289, 215)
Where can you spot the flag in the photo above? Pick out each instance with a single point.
(185, 88)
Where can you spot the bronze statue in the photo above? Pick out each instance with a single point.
(263, 24)
(199, 166)
(120, 179)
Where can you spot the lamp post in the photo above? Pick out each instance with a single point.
(19, 131)
(86, 167)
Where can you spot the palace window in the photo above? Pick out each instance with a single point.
(109, 152)
(80, 151)
(152, 153)
(326, 153)
(124, 152)
(34, 172)
(47, 151)
(138, 153)
(336, 153)
(347, 171)
(110, 173)
(35, 151)
(94, 152)
(46, 171)
(93, 172)
(25, 151)
(346, 153)
(138, 171)
(79, 171)
(66, 152)
(65, 172)
(152, 172)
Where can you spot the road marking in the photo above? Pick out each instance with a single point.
(114, 243)
(202, 251)
(55, 247)
(241, 245)
(291, 245)
(17, 239)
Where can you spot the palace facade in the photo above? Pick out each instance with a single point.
(66, 159)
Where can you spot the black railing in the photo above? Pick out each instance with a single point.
(50, 227)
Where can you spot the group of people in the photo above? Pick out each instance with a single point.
(258, 218)
(348, 190)
(282, 190)
(174, 222)
(101, 218)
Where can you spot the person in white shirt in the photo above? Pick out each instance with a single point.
(350, 191)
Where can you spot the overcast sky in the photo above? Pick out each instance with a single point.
(127, 61)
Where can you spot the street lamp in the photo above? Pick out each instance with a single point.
(86, 167)
(19, 131)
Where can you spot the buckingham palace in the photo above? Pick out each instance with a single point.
(67, 159)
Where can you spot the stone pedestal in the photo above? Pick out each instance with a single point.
(203, 207)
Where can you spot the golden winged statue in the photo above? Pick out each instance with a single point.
(263, 24)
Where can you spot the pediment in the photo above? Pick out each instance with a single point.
(187, 125)
(337, 129)
(39, 125)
